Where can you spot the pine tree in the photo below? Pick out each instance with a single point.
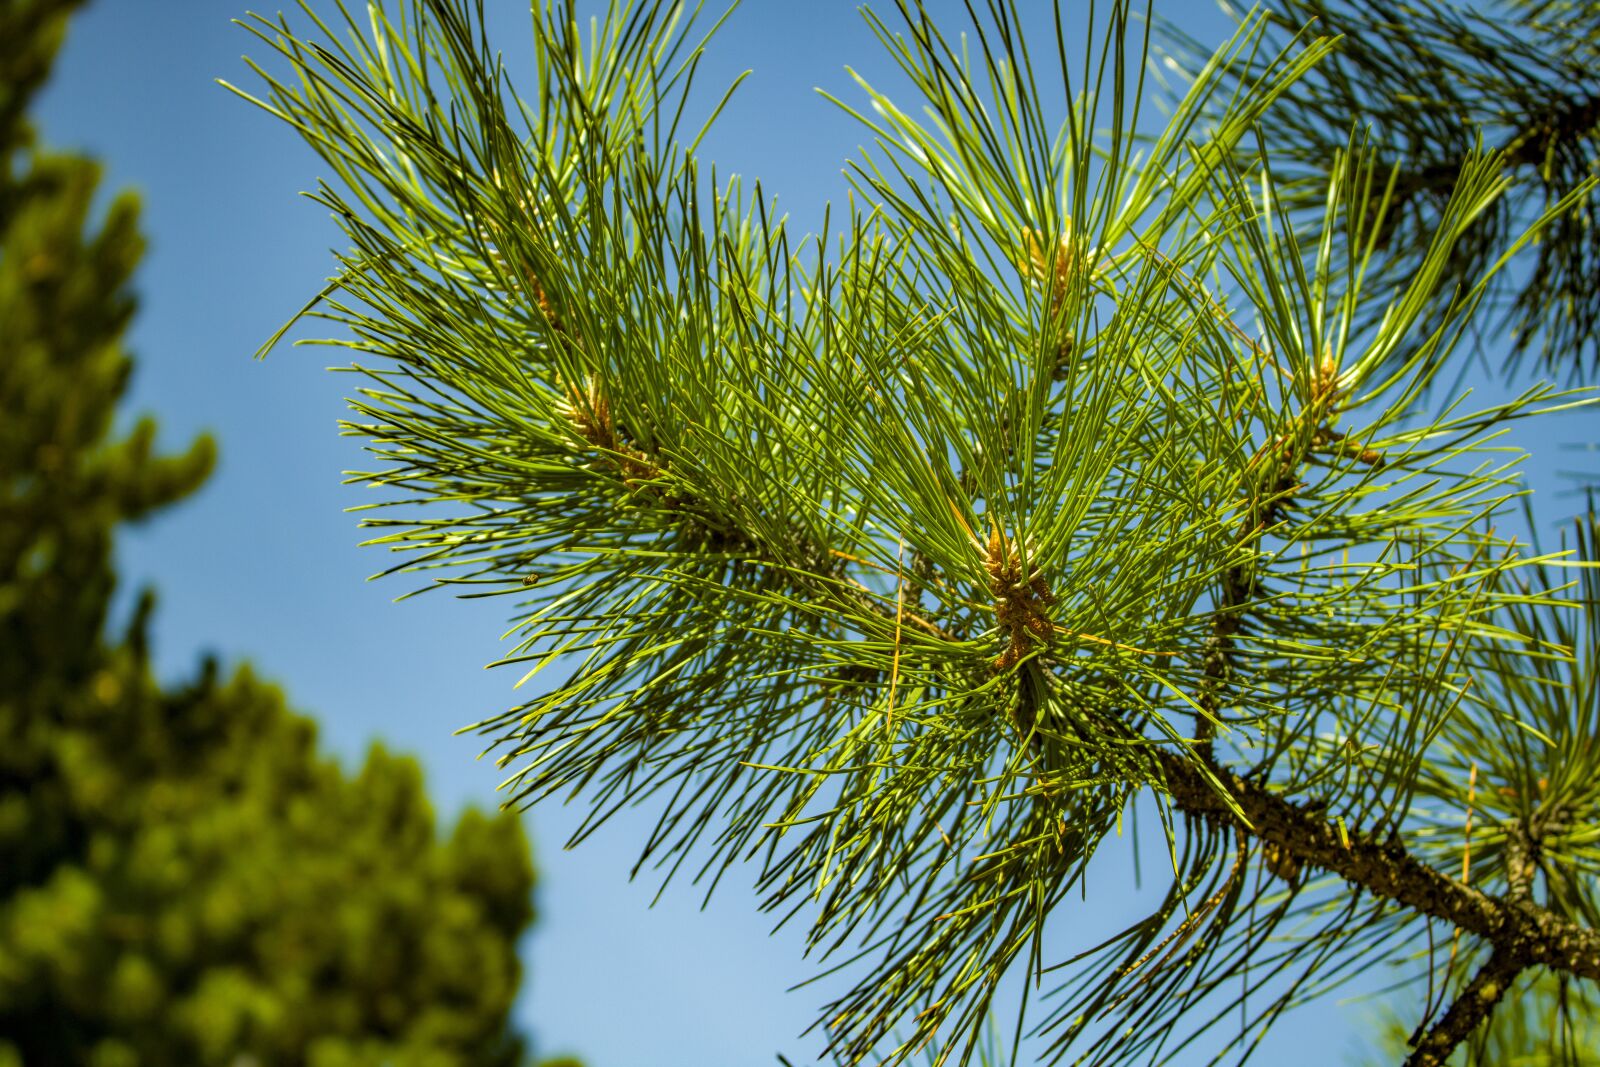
(184, 877)
(1070, 480)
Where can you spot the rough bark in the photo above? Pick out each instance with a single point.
(1526, 933)
(1475, 1004)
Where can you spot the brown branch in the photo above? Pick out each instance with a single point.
(1522, 860)
(1527, 933)
(1293, 836)
(1470, 1010)
(1477, 1001)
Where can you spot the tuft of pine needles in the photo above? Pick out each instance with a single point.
(1430, 83)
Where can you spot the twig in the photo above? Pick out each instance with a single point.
(1475, 1004)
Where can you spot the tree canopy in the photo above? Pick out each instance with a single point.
(1081, 474)
(184, 877)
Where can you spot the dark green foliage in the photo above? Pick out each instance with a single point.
(30, 33)
(197, 885)
(184, 879)
(1431, 82)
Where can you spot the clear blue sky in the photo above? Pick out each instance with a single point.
(263, 564)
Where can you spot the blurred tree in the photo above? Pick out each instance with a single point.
(184, 879)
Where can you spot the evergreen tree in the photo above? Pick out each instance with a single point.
(184, 878)
(1080, 480)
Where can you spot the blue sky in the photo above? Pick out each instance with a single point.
(263, 564)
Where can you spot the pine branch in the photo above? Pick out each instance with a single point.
(1475, 1004)
(1271, 478)
(703, 466)
(1526, 933)
(1472, 1008)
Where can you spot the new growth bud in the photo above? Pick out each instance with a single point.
(1020, 601)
